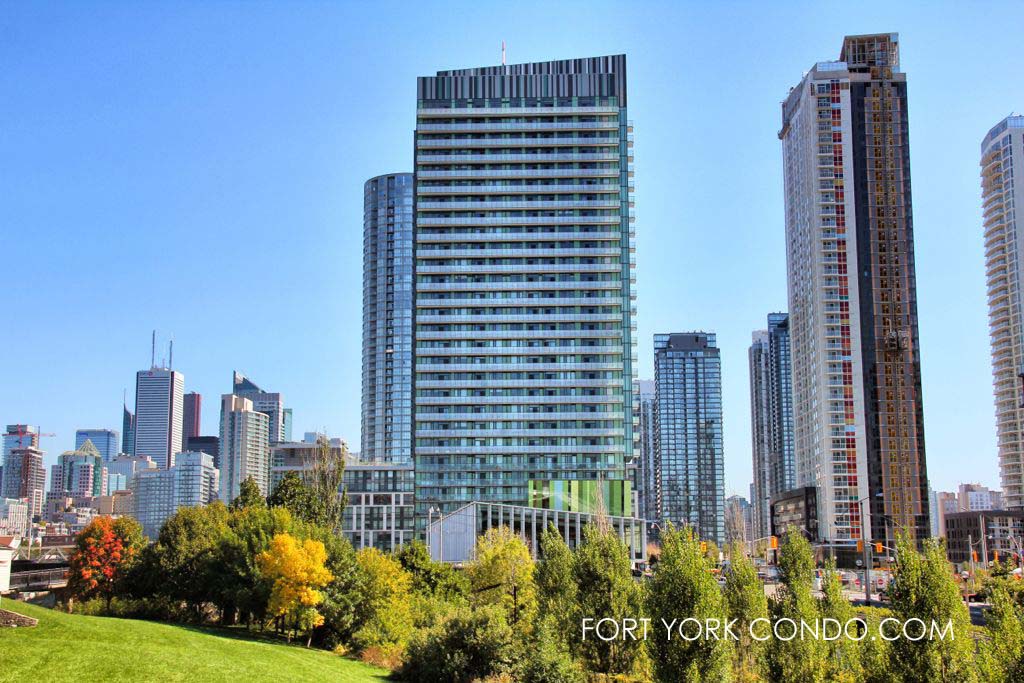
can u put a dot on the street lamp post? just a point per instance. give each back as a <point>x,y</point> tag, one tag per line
<point>440,531</point>
<point>866,545</point>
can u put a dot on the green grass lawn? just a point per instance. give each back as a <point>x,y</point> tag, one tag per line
<point>66,647</point>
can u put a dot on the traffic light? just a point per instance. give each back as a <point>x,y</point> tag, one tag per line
<point>703,546</point>
<point>878,548</point>
<point>997,556</point>
<point>775,543</point>
<point>860,546</point>
<point>974,555</point>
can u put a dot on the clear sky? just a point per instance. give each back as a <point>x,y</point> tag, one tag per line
<point>198,168</point>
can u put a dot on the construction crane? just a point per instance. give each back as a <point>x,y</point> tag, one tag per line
<point>21,431</point>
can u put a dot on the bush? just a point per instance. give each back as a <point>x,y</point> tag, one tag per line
<point>546,658</point>
<point>384,656</point>
<point>467,646</point>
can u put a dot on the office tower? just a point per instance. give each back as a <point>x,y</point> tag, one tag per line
<point>192,416</point>
<point>286,430</point>
<point>858,421</point>
<point>128,432</point>
<point>688,432</point>
<point>244,446</point>
<point>19,436</point>
<point>524,319</point>
<point>25,477</point>
<point>205,444</point>
<point>649,469</point>
<point>159,404</point>
<point>271,404</point>
<point>1002,162</point>
<point>771,418</point>
<point>387,319</point>
<point>106,441</point>
<point>80,472</point>
<point>158,493</point>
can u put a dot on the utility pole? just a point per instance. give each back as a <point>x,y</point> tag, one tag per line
<point>970,553</point>
<point>984,542</point>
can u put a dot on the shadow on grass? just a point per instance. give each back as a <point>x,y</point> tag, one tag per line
<point>272,638</point>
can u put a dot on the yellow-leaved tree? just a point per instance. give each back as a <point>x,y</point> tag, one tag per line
<point>297,570</point>
<point>502,574</point>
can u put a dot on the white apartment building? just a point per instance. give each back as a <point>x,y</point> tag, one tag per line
<point>858,421</point>
<point>973,497</point>
<point>14,517</point>
<point>1002,161</point>
<point>244,446</point>
<point>157,494</point>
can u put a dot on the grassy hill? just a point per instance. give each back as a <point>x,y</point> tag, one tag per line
<point>66,647</point>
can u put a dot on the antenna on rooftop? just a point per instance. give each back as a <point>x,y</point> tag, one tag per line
<point>503,53</point>
<point>152,352</point>
<point>171,354</point>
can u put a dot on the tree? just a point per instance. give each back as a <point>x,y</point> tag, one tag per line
<point>104,553</point>
<point>746,601</point>
<point>470,645</point>
<point>342,594</point>
<point>502,575</point>
<point>248,495</point>
<point>556,584</point>
<point>325,474</point>
<point>297,570</point>
<point>844,655</point>
<point>292,494</point>
<point>1002,653</point>
<point>798,659</point>
<point>383,612</point>
<point>711,552</point>
<point>240,586</point>
<point>185,560</point>
<point>923,588</point>
<point>735,525</point>
<point>606,589</point>
<point>429,577</point>
<point>683,586</point>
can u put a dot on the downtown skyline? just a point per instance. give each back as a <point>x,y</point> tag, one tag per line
<point>663,303</point>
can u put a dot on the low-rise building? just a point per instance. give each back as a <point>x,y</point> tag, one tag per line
<point>116,504</point>
<point>380,510</point>
<point>380,507</point>
<point>981,535</point>
<point>796,508</point>
<point>452,538</point>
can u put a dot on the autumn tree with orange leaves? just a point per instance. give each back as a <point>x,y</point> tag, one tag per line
<point>104,552</point>
<point>297,570</point>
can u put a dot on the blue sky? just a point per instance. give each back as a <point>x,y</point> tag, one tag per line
<point>197,167</point>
